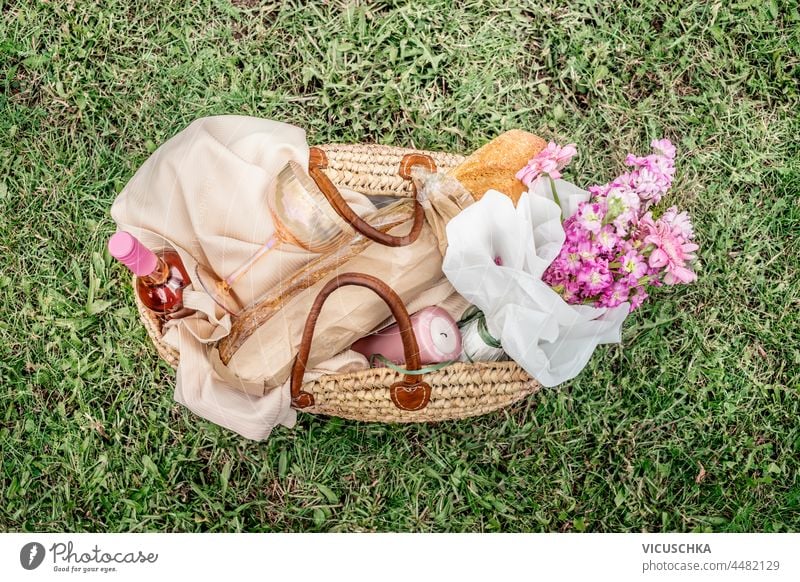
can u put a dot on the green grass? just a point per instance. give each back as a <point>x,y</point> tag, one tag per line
<point>693,424</point>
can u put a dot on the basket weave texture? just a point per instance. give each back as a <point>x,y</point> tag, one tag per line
<point>460,390</point>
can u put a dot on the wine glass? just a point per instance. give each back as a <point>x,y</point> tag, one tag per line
<point>302,216</point>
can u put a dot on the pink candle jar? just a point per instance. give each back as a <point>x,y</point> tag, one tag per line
<point>437,335</point>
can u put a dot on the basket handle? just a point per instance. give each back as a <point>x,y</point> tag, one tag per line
<point>411,393</point>
<point>318,161</point>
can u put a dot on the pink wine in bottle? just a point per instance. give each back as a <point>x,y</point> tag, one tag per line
<point>160,277</point>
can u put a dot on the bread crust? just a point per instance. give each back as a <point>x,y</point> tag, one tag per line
<point>493,166</point>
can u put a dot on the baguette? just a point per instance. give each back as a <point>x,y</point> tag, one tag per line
<point>493,166</point>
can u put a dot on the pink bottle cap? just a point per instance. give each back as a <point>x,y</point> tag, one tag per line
<point>126,248</point>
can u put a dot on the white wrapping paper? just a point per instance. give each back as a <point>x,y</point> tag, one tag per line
<point>496,257</point>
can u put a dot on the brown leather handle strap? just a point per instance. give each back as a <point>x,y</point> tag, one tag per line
<point>319,161</point>
<point>409,394</point>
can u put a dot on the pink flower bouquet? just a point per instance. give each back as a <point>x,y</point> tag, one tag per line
<point>557,274</point>
<point>614,248</point>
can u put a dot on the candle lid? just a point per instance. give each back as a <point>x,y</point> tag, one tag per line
<point>438,336</point>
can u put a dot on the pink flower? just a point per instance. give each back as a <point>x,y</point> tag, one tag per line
<point>679,222</point>
<point>654,162</point>
<point>664,146</point>
<point>607,238</point>
<point>571,263</point>
<point>557,273</point>
<point>598,191</point>
<point>645,225</point>
<point>616,228</point>
<point>571,292</point>
<point>590,216</point>
<point>651,176</point>
<point>637,297</point>
<point>632,264</point>
<point>551,160</point>
<point>663,165</point>
<point>587,250</point>
<point>623,206</point>
<point>595,277</point>
<point>649,185</point>
<point>624,222</point>
<point>624,196</point>
<point>615,294</point>
<point>671,254</point>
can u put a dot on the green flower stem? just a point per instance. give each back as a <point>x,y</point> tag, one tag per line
<point>555,195</point>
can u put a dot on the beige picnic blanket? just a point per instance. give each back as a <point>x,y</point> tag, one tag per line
<point>204,193</point>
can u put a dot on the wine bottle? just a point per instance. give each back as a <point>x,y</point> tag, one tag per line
<point>160,276</point>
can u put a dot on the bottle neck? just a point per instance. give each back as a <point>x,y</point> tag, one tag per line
<point>159,275</point>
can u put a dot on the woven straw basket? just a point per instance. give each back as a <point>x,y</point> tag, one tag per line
<point>459,390</point>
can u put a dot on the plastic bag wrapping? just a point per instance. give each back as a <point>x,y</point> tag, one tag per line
<point>442,197</point>
<point>495,259</point>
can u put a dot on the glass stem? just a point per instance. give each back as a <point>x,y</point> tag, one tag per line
<point>233,277</point>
